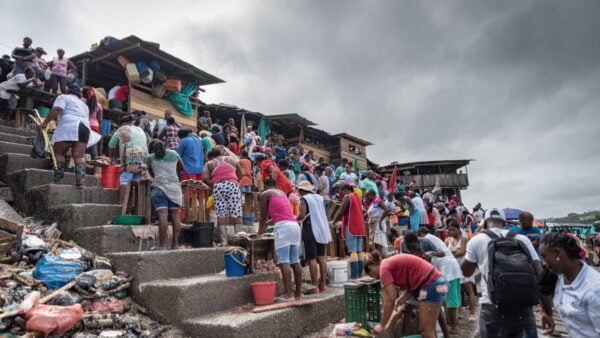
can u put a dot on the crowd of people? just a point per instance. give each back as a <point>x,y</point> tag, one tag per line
<point>419,241</point>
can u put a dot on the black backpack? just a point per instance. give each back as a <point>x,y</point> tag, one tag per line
<point>512,279</point>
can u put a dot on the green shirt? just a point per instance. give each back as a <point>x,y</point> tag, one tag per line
<point>338,171</point>
<point>367,185</point>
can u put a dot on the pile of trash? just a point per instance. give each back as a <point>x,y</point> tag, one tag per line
<point>54,287</point>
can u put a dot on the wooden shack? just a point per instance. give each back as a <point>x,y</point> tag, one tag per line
<point>100,68</point>
<point>352,148</point>
<point>447,174</point>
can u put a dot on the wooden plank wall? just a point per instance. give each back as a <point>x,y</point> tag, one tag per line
<point>318,151</point>
<point>155,108</point>
<point>345,153</point>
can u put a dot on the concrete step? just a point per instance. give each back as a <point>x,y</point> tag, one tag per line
<point>22,180</point>
<point>38,200</point>
<point>289,322</point>
<point>15,138</point>
<point>148,266</point>
<point>176,300</point>
<point>106,239</point>
<point>71,217</point>
<point>14,131</point>
<point>11,162</point>
<point>11,147</point>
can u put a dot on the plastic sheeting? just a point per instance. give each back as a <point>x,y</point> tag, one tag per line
<point>181,99</point>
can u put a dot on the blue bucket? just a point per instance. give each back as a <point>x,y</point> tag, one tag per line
<point>235,265</point>
<point>248,219</point>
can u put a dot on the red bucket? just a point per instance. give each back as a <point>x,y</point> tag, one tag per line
<point>111,177</point>
<point>264,292</point>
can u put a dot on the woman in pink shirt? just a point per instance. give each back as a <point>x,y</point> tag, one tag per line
<point>275,205</point>
<point>60,66</point>
<point>417,278</point>
<point>223,174</point>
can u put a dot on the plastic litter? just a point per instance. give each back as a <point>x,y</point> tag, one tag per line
<point>70,254</point>
<point>111,334</point>
<point>51,319</point>
<point>56,272</point>
<point>31,241</point>
<point>85,281</point>
<point>30,300</point>
<point>66,298</point>
<point>109,306</point>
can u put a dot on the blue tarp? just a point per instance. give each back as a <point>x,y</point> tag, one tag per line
<point>181,100</point>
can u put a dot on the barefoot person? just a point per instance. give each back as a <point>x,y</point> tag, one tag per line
<point>275,205</point>
<point>415,276</point>
<point>315,233</point>
<point>163,164</point>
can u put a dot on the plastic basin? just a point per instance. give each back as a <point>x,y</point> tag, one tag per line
<point>128,219</point>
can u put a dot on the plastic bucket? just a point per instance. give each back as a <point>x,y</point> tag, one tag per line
<point>235,265</point>
<point>264,292</point>
<point>337,272</point>
<point>111,177</point>
<point>248,219</point>
<point>201,235</point>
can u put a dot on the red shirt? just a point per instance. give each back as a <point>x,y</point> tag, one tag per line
<point>122,92</point>
<point>408,272</point>
<point>234,147</point>
<point>431,218</point>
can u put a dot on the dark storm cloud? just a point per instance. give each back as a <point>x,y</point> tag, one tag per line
<point>513,84</point>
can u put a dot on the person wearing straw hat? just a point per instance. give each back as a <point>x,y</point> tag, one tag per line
<point>315,233</point>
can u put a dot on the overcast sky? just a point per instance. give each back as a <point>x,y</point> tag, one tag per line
<point>514,85</point>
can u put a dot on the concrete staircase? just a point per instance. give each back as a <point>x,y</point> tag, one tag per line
<point>186,288</point>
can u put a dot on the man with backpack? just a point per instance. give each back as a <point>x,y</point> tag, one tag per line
<point>510,267</point>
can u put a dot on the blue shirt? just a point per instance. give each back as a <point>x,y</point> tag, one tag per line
<point>191,152</point>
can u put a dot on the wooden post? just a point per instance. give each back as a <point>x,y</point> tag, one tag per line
<point>84,72</point>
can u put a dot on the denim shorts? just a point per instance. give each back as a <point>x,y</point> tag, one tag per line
<point>246,188</point>
<point>288,255</point>
<point>353,243</point>
<point>161,201</point>
<point>435,292</point>
<point>127,177</point>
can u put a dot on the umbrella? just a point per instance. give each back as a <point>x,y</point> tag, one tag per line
<point>264,129</point>
<point>393,179</point>
<point>512,213</point>
<point>242,129</point>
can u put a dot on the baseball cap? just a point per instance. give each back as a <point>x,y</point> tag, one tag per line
<point>495,213</point>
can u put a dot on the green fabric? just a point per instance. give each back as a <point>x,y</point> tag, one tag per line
<point>207,144</point>
<point>338,171</point>
<point>181,100</point>
<point>453,299</point>
<point>264,129</point>
<point>170,156</point>
<point>367,185</point>
<point>356,170</point>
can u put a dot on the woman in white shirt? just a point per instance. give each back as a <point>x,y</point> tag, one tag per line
<point>576,295</point>
<point>73,132</point>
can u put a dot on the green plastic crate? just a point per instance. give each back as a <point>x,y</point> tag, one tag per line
<point>362,303</point>
<point>355,305</point>
<point>374,302</point>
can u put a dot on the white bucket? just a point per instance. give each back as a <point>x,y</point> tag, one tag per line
<point>337,272</point>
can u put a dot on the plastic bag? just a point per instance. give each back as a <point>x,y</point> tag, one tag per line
<point>56,272</point>
<point>181,99</point>
<point>109,306</point>
<point>51,319</point>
